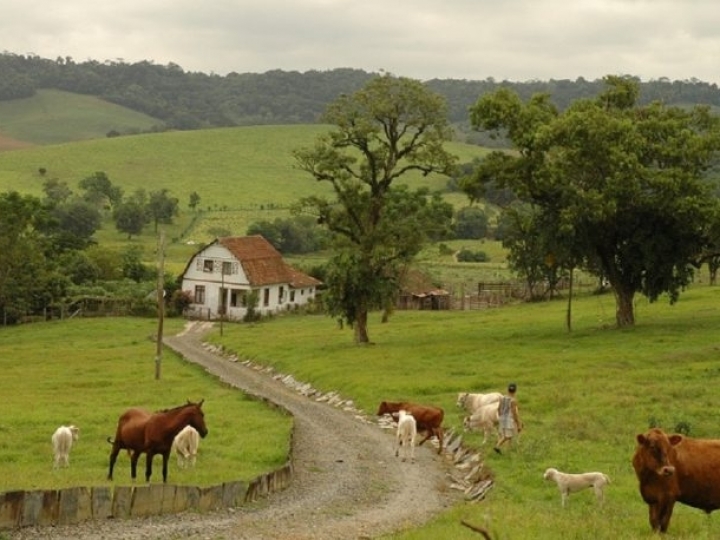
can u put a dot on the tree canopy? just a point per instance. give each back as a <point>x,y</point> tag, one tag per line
<point>622,185</point>
<point>384,132</point>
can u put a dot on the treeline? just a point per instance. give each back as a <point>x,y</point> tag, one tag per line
<point>194,100</point>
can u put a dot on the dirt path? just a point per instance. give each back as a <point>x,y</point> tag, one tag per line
<point>347,483</point>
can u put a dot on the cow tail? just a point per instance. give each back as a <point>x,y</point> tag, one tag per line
<point>109,439</point>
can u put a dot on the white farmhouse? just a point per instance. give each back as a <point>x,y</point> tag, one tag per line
<point>221,275</point>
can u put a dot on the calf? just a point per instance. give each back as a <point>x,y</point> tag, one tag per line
<point>186,445</point>
<point>485,418</point>
<point>568,483</point>
<point>406,433</point>
<point>472,402</point>
<point>62,441</point>
<point>428,419</point>
<point>675,468</point>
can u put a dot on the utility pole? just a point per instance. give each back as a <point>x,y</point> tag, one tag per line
<point>160,304</point>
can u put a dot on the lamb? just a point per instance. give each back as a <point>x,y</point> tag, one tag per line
<point>406,434</point>
<point>186,445</point>
<point>472,402</point>
<point>485,418</point>
<point>62,441</point>
<point>569,483</point>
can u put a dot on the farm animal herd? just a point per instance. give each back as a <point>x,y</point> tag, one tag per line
<point>143,432</point>
<point>669,468</point>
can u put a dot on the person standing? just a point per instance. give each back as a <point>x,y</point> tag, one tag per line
<point>509,419</point>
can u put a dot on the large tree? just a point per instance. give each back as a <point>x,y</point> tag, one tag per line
<point>392,128</point>
<point>624,185</point>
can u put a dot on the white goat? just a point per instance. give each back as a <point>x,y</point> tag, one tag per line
<point>406,434</point>
<point>62,441</point>
<point>186,445</point>
<point>472,402</point>
<point>568,483</point>
<point>485,418</point>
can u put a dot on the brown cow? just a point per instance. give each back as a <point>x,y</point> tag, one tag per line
<point>429,419</point>
<point>674,468</point>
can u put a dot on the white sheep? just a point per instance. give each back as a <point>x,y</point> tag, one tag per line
<point>485,418</point>
<point>406,434</point>
<point>62,441</point>
<point>186,445</point>
<point>568,483</point>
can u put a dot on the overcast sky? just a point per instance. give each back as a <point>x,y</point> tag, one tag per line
<point>518,40</point>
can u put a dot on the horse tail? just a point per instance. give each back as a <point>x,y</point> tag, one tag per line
<point>109,439</point>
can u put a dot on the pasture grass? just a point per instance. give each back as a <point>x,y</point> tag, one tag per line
<point>55,116</point>
<point>584,396</point>
<point>87,372</point>
<point>243,175</point>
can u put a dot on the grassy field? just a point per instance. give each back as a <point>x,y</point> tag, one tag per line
<point>54,116</point>
<point>242,175</point>
<point>584,396</point>
<point>87,372</point>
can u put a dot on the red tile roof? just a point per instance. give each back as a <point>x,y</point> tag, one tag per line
<point>263,264</point>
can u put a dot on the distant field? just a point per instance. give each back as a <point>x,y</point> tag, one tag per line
<point>241,174</point>
<point>53,116</point>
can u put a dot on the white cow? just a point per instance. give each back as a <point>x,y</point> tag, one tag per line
<point>186,445</point>
<point>472,402</point>
<point>62,441</point>
<point>406,434</point>
<point>486,418</point>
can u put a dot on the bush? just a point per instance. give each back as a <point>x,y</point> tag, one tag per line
<point>466,255</point>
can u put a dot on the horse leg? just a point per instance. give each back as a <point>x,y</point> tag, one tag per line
<point>113,457</point>
<point>166,458</point>
<point>148,466</point>
<point>133,463</point>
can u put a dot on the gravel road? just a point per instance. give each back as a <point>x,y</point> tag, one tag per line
<point>348,484</point>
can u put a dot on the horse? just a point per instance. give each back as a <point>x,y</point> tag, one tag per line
<point>140,431</point>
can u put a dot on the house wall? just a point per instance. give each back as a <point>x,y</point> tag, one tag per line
<point>205,269</point>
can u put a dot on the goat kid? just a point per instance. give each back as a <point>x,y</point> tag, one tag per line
<point>406,434</point>
<point>62,441</point>
<point>186,445</point>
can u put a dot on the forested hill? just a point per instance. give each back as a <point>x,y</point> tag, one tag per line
<point>192,100</point>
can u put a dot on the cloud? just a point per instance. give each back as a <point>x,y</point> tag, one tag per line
<point>470,39</point>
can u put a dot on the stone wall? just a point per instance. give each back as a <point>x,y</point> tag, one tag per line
<point>78,504</point>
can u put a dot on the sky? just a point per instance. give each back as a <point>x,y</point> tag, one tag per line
<point>515,40</point>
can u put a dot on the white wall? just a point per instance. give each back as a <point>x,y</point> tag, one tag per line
<point>234,280</point>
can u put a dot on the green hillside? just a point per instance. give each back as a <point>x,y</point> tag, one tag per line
<point>242,174</point>
<point>53,116</point>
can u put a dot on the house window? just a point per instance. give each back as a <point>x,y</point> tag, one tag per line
<point>208,265</point>
<point>281,295</point>
<point>292,295</point>
<point>199,294</point>
<point>266,297</point>
<point>227,268</point>
<point>237,298</point>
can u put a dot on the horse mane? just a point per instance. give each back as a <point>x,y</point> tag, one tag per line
<point>178,407</point>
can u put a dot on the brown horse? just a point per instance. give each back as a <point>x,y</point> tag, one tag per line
<point>140,431</point>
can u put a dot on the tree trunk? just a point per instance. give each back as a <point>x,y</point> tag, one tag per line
<point>624,312</point>
<point>360,326</point>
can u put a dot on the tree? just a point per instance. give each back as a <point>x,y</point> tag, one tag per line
<point>27,276</point>
<point>392,128</point>
<point>194,200</point>
<point>623,184</point>
<point>471,222</point>
<point>100,191</point>
<point>162,207</point>
<point>130,217</point>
